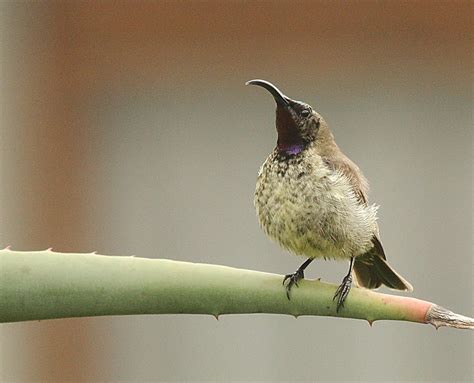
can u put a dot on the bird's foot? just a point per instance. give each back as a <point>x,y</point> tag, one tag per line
<point>342,292</point>
<point>293,280</point>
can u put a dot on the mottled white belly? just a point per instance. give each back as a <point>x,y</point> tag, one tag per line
<point>313,211</point>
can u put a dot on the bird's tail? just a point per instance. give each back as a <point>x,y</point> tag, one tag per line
<point>372,270</point>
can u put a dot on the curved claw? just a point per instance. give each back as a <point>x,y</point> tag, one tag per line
<point>291,277</point>
<point>293,281</point>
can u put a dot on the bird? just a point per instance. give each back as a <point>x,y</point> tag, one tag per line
<point>312,200</point>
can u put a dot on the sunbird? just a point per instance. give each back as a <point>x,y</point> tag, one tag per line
<point>312,200</point>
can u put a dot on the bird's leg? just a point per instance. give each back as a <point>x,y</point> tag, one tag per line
<point>294,278</point>
<point>343,290</point>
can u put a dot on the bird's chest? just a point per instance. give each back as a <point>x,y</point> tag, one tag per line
<point>294,200</point>
<point>287,191</point>
<point>312,210</point>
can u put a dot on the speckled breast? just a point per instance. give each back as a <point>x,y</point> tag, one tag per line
<point>310,210</point>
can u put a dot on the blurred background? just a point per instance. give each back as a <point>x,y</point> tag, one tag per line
<point>126,128</point>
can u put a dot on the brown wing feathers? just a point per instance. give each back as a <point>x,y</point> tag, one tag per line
<point>371,269</point>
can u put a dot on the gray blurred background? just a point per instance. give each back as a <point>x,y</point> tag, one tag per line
<point>126,128</point>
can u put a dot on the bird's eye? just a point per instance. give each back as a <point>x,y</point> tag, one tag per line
<point>305,112</point>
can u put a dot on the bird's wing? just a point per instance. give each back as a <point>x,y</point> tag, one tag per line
<point>360,187</point>
<point>371,268</point>
<point>359,183</point>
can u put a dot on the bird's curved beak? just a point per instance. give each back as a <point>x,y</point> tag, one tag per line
<point>279,97</point>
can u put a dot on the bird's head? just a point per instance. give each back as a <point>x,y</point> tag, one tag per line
<point>297,123</point>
